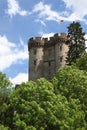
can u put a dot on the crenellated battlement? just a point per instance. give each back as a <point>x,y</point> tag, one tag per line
<point>35,42</point>
<point>45,42</point>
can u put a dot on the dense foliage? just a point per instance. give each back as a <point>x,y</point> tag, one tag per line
<point>4,95</point>
<point>72,83</point>
<point>81,63</point>
<point>43,105</point>
<point>76,42</point>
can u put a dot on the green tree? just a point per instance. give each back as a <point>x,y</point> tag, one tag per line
<point>36,106</point>
<point>72,83</point>
<point>76,42</point>
<point>4,95</point>
<point>3,128</point>
<point>81,63</point>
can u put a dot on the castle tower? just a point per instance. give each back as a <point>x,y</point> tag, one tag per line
<point>35,47</point>
<point>61,50</point>
<point>46,56</point>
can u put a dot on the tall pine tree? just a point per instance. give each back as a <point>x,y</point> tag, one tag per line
<point>76,42</point>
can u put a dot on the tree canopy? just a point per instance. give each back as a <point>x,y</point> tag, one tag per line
<point>45,105</point>
<point>81,63</point>
<point>72,83</point>
<point>76,42</point>
<point>4,95</point>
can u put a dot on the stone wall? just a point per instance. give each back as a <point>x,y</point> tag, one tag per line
<point>35,63</point>
<point>49,61</point>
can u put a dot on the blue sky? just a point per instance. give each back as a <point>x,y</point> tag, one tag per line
<point>23,19</point>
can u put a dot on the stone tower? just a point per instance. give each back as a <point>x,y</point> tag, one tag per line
<point>46,56</point>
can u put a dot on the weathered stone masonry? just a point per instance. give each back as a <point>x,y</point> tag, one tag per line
<point>46,56</point>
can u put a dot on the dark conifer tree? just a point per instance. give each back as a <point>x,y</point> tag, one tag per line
<point>76,42</point>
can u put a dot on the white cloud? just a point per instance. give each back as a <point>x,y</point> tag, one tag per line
<point>21,77</point>
<point>41,21</point>
<point>79,10</point>
<point>72,12</point>
<point>46,35</point>
<point>5,45</point>
<point>14,8</point>
<point>11,53</point>
<point>45,12</point>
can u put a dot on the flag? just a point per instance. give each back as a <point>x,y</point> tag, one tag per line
<point>61,21</point>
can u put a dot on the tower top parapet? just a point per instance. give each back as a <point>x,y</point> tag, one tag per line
<point>44,42</point>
